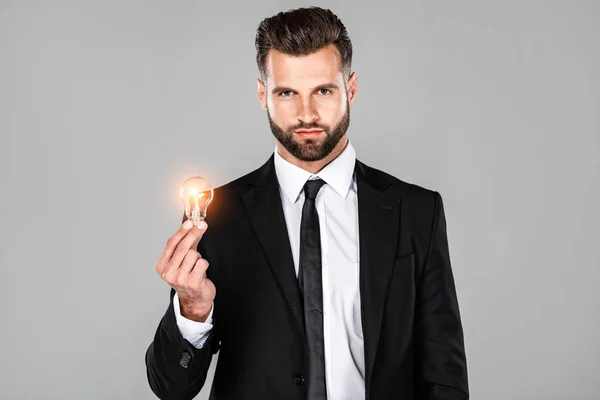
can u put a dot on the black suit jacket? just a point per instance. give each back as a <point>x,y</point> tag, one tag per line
<point>412,331</point>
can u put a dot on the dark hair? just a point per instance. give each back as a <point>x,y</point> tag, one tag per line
<point>301,32</point>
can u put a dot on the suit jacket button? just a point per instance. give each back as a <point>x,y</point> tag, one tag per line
<point>185,359</point>
<point>299,379</point>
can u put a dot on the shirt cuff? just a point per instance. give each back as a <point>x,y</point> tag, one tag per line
<point>194,332</point>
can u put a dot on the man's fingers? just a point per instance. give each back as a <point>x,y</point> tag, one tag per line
<point>199,269</point>
<point>170,275</point>
<point>178,246</point>
<point>190,241</point>
<point>188,262</point>
<point>171,246</point>
<point>201,228</point>
<point>191,272</point>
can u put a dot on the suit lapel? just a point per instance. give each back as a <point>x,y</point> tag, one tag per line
<point>378,221</point>
<point>263,205</point>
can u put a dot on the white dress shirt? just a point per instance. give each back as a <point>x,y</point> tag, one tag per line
<point>337,207</point>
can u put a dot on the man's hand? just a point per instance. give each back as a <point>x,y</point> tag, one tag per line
<point>182,267</point>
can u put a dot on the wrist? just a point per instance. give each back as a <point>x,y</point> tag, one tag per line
<point>193,311</point>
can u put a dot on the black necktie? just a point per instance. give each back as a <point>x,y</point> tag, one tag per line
<point>311,289</point>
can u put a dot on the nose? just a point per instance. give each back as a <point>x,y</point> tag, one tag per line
<point>307,111</point>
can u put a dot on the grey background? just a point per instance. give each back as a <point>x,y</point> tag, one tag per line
<point>105,107</point>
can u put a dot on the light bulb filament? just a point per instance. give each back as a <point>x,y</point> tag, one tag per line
<point>196,194</point>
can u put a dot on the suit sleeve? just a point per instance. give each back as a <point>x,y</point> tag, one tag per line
<point>174,367</point>
<point>441,366</point>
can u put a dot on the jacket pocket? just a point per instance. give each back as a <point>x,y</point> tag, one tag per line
<point>404,264</point>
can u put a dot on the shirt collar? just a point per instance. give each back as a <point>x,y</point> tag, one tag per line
<point>338,174</point>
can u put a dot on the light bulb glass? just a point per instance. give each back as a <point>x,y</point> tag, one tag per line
<point>196,194</point>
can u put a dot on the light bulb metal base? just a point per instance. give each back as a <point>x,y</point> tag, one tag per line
<point>197,220</point>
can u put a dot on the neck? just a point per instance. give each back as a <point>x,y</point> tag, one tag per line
<point>313,166</point>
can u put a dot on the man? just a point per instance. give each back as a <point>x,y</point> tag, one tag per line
<point>328,279</point>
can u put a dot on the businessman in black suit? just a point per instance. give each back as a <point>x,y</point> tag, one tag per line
<point>328,279</point>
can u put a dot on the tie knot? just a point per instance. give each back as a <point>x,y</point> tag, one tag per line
<point>311,188</point>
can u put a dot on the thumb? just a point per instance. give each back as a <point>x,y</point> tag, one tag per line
<point>201,226</point>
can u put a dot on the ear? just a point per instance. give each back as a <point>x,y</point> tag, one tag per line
<point>262,94</point>
<point>352,87</point>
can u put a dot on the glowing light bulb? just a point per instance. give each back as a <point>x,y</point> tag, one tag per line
<point>196,194</point>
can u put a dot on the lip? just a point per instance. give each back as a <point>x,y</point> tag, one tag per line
<point>309,133</point>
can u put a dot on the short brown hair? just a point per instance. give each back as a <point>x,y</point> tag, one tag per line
<point>301,32</point>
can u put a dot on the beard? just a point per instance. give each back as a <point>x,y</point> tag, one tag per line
<point>311,149</point>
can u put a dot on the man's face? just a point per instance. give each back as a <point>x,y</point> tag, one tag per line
<point>308,101</point>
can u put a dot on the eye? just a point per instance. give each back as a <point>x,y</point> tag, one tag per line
<point>324,92</point>
<point>285,93</point>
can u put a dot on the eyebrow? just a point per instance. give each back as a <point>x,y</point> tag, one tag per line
<point>278,89</point>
